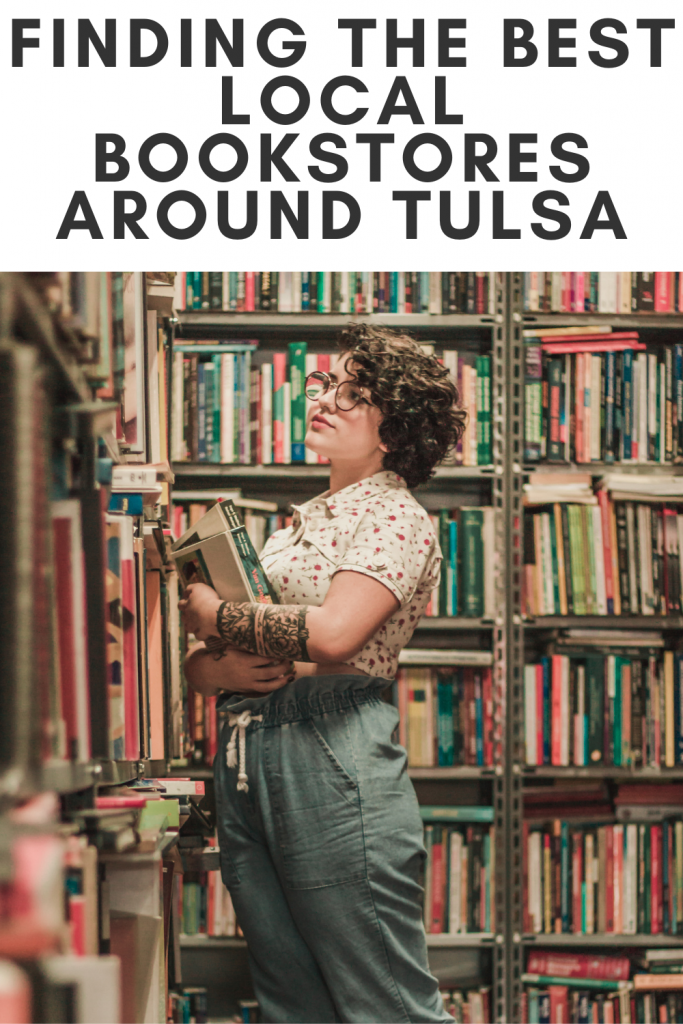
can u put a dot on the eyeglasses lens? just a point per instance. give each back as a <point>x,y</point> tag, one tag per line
<point>315,386</point>
<point>348,396</point>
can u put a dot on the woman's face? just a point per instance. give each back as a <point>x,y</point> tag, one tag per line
<point>339,435</point>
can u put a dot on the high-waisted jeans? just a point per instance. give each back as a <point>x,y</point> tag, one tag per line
<point>322,856</point>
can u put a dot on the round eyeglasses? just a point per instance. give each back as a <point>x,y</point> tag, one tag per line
<point>347,394</point>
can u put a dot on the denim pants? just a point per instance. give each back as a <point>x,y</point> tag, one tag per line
<point>322,856</point>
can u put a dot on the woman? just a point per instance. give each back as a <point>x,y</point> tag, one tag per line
<point>319,827</point>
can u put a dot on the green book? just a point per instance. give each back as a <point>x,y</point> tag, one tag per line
<point>297,377</point>
<point>156,812</point>
<point>471,530</point>
<point>597,983</point>
<point>617,759</point>
<point>459,813</point>
<point>483,367</point>
<point>216,413</point>
<point>554,563</point>
<point>444,544</point>
<point>578,590</point>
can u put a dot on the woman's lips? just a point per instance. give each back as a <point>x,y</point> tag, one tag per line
<point>320,421</point>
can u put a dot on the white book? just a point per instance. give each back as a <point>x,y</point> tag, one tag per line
<point>284,292</point>
<point>599,550</point>
<point>267,414</point>
<point>228,408</point>
<point>625,291</point>
<point>547,563</point>
<point>225,291</point>
<point>455,921</point>
<point>296,291</point>
<point>152,342</point>
<point>402,291</point>
<point>96,981</point>
<point>287,400</point>
<point>179,453</point>
<point>534,874</point>
<point>491,275</point>
<point>179,290</point>
<point>652,383</point>
<point>556,292</point>
<point>489,542</point>
<point>434,292</point>
<point>311,457</point>
<point>607,291</point>
<point>345,296</point>
<point>630,880</point>
<point>422,656</point>
<point>327,292</point>
<point>530,714</point>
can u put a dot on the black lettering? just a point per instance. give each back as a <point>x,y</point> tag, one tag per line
<point>283,82</point>
<point>162,139</point>
<point>448,43</point>
<point>556,43</point>
<point>87,36</point>
<point>517,157</point>
<point>542,210</point>
<point>227,113</point>
<point>427,139</point>
<point>375,141</point>
<point>655,26</point>
<point>296,49</point>
<point>400,88</point>
<point>353,209</point>
<point>473,216</point>
<point>234,50</point>
<point>440,115</point>
<point>297,221</point>
<point>326,100</point>
<point>603,201</point>
<point>137,27</point>
<point>186,42</point>
<point>21,43</point>
<point>274,156</point>
<point>357,25</point>
<point>113,156</point>
<point>479,161</point>
<point>181,196</point>
<point>411,199</point>
<point>416,42</point>
<point>58,42</point>
<point>318,153</point>
<point>600,39</point>
<point>79,204</point>
<point>223,139</point>
<point>513,42</point>
<point>499,229</point>
<point>560,153</point>
<point>250,223</point>
<point>123,219</point>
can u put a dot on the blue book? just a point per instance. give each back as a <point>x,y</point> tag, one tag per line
<point>444,703</point>
<point>424,291</point>
<point>305,291</point>
<point>479,720</point>
<point>452,568</point>
<point>678,399</point>
<point>196,289</point>
<point>393,292</point>
<point>201,411</point>
<point>547,710</point>
<point>544,1007</point>
<point>130,504</point>
<point>584,1015</point>
<point>609,406</point>
<point>564,875</point>
<point>627,402</point>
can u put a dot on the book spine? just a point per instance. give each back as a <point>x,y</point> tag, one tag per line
<point>297,376</point>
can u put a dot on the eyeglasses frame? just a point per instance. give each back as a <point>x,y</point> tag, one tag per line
<point>317,374</point>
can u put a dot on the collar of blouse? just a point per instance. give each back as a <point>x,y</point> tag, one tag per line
<point>348,498</point>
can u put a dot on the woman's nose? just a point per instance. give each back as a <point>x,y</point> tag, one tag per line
<point>326,401</point>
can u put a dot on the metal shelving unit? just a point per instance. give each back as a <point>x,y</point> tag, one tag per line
<point>329,322</point>
<point>602,940</point>
<point>655,622</point>
<point>302,472</point>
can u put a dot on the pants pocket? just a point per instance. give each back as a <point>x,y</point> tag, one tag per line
<point>316,803</point>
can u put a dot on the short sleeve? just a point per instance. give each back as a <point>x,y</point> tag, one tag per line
<point>396,546</point>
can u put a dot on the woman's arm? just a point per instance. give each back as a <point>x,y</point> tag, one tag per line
<point>354,609</point>
<point>237,671</point>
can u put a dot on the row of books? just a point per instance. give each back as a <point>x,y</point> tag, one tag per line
<point>446,715</point>
<point>603,292</point>
<point>608,558</point>
<point>602,398</point>
<point>621,879</point>
<point>605,705</point>
<point>189,1005</point>
<point>468,1007</point>
<point>205,906</point>
<point>346,292</point>
<point>568,987</point>
<point>467,541</point>
<point>230,405</point>
<point>459,873</point>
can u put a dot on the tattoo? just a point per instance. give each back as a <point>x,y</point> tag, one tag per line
<point>278,631</point>
<point>216,647</point>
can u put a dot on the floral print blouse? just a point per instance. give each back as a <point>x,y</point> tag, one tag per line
<point>374,527</point>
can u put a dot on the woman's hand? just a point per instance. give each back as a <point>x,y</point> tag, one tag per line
<point>237,671</point>
<point>199,608</point>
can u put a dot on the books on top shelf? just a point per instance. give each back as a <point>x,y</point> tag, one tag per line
<point>605,705</point>
<point>234,404</point>
<point>615,557</point>
<point>602,398</point>
<point>459,873</point>
<point>446,716</point>
<point>603,292</point>
<point>344,292</point>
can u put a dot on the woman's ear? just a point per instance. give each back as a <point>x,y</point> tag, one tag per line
<point>383,447</point>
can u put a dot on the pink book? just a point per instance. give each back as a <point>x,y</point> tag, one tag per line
<point>566,299</point>
<point>579,291</point>
<point>131,699</point>
<point>249,295</point>
<point>324,365</point>
<point>663,292</point>
<point>279,380</point>
<point>556,720</point>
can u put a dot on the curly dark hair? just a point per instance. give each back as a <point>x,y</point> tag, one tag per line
<point>419,402</point>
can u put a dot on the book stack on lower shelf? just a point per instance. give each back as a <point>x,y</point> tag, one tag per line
<point>565,986</point>
<point>472,1006</point>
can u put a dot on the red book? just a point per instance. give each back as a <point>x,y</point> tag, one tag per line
<point>656,878</point>
<point>77,924</point>
<point>559,1004</point>
<point>679,296</point>
<point>488,715</point>
<point>603,502</point>
<point>134,800</point>
<point>663,292</point>
<point>569,347</point>
<point>556,720</point>
<point>438,877</point>
<point>566,299</point>
<point>579,965</point>
<point>577,878</point>
<point>210,729</point>
<point>324,365</point>
<point>540,754</point>
<point>249,293</point>
<point>565,339</point>
<point>579,292</point>
<point>279,380</point>
<point>609,880</point>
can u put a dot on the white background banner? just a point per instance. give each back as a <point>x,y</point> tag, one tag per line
<point>599,143</point>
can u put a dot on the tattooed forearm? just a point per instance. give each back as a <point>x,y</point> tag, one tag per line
<point>275,630</point>
<point>216,647</point>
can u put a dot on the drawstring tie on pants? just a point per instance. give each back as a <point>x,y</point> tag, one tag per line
<point>239,724</point>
